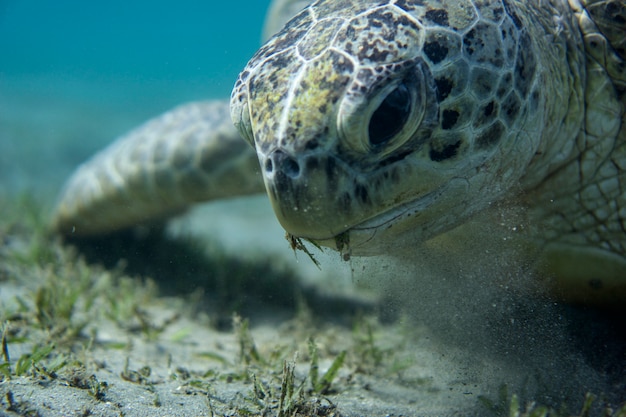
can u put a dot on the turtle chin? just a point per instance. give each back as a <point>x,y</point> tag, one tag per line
<point>403,226</point>
<point>382,234</point>
<point>323,199</point>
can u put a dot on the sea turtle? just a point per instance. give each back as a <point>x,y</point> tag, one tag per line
<point>375,125</point>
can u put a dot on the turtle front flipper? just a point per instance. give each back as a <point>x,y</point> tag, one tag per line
<point>187,155</point>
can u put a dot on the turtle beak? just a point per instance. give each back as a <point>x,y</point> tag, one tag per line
<point>304,192</point>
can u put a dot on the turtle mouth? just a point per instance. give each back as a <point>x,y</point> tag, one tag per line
<point>377,234</point>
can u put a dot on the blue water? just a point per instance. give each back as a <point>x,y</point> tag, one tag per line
<point>75,74</point>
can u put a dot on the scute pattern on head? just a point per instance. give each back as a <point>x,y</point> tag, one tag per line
<point>458,16</point>
<point>381,36</point>
<point>318,89</point>
<point>312,46</point>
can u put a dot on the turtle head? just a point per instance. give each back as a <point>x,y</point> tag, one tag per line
<point>379,122</point>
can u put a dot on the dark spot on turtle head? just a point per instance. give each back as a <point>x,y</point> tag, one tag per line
<point>504,86</point>
<point>482,43</point>
<point>311,145</point>
<point>374,55</point>
<point>291,133</point>
<point>391,175</point>
<point>278,61</point>
<point>490,136</point>
<point>447,152</point>
<point>534,99</point>
<point>361,193</point>
<point>511,107</point>
<point>497,13</point>
<point>444,87</point>
<point>438,16</point>
<point>486,114</point>
<point>343,66</point>
<point>524,65</point>
<point>331,173</point>
<point>409,5</point>
<point>435,51</point>
<point>488,109</point>
<point>384,18</point>
<point>449,119</point>
<point>514,17</point>
<point>395,157</point>
<point>469,42</point>
<point>282,184</point>
<point>401,45</point>
<point>351,33</point>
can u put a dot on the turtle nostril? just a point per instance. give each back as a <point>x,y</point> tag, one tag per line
<point>279,161</point>
<point>290,167</point>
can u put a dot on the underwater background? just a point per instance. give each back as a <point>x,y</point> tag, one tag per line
<point>74,75</point>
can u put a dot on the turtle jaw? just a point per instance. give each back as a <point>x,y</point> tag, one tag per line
<point>359,220</point>
<point>391,230</point>
<point>387,231</point>
<point>319,197</point>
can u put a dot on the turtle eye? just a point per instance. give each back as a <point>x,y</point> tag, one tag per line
<point>390,116</point>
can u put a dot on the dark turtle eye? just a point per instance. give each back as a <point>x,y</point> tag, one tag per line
<point>390,117</point>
